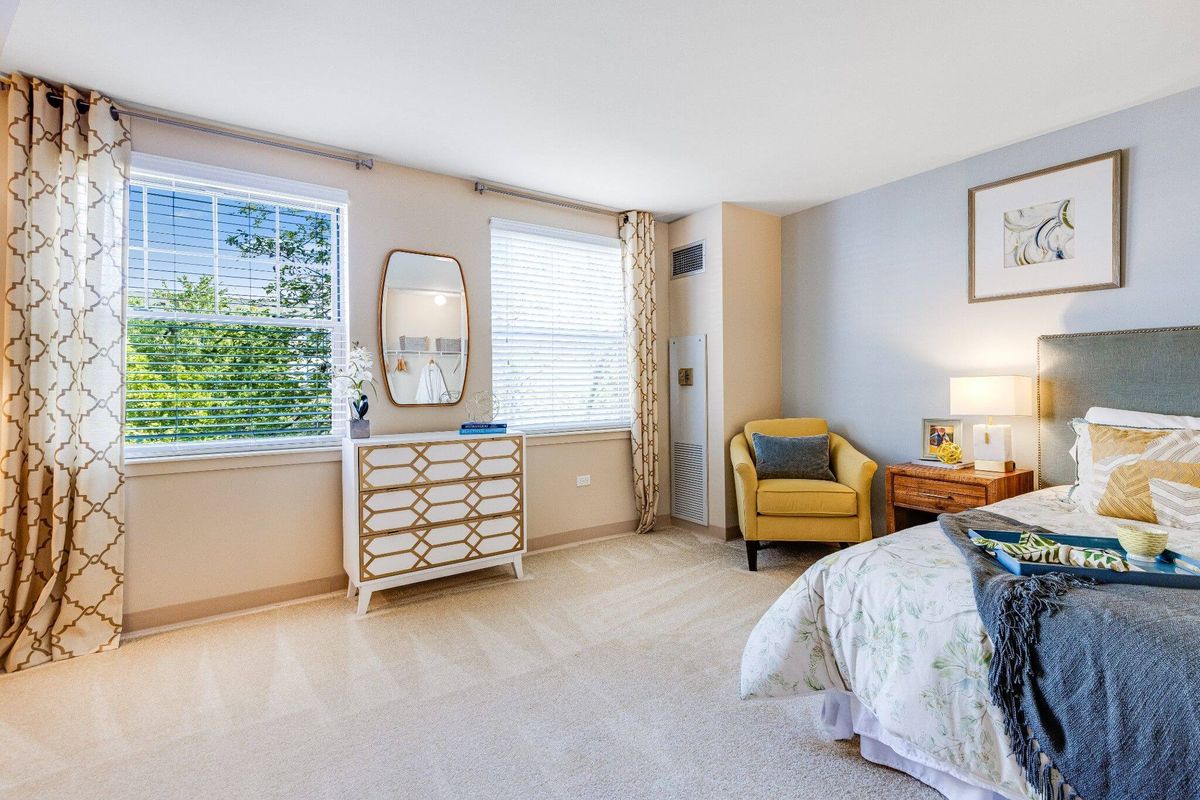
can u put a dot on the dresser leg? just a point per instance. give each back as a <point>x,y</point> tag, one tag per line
<point>364,600</point>
<point>350,590</point>
<point>517,568</point>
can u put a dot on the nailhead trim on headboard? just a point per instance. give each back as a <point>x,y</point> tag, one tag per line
<point>1172,329</point>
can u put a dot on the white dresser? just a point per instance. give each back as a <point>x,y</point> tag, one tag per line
<point>417,506</point>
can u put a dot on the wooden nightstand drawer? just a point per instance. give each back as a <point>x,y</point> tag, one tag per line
<point>935,494</point>
<point>917,493</point>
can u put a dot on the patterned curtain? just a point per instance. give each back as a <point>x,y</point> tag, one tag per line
<point>61,545</point>
<point>637,259</point>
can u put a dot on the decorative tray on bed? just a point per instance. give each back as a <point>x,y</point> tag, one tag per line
<point>1170,569</point>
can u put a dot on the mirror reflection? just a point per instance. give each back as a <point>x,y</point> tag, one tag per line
<point>423,328</point>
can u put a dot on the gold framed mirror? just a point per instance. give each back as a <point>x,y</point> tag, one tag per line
<point>424,328</point>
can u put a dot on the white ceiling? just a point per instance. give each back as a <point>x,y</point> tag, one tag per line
<point>660,104</point>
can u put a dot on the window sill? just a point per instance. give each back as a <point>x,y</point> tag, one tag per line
<point>207,462</point>
<point>575,437</point>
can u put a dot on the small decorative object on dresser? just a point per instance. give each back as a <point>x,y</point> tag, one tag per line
<point>426,505</point>
<point>477,428</point>
<point>917,493</point>
<point>357,374</point>
<point>483,406</point>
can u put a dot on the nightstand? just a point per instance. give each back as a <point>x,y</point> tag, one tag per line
<point>917,494</point>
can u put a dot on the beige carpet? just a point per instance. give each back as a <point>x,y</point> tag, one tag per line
<point>609,672</point>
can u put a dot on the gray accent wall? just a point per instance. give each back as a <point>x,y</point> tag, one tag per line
<point>875,312</point>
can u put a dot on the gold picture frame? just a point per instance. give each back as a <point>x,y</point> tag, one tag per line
<point>1049,231</point>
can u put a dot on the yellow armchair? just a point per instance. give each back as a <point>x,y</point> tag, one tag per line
<point>792,509</point>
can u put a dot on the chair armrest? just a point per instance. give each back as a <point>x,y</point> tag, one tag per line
<point>855,470</point>
<point>851,467</point>
<point>745,485</point>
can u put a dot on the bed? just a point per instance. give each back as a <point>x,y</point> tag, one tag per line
<point>888,629</point>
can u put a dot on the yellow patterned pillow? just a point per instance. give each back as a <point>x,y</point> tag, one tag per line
<point>1149,475</point>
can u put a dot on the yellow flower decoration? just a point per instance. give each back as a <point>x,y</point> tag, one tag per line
<point>949,453</point>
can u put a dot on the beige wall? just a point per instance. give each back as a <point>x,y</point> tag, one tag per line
<point>753,385</point>
<point>203,541</point>
<point>736,303</point>
<point>697,309</point>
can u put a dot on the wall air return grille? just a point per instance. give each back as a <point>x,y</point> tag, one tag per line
<point>687,260</point>
<point>688,487</point>
<point>687,363</point>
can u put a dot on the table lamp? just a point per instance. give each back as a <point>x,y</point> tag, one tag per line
<point>992,396</point>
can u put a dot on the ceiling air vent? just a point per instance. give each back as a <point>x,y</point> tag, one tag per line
<point>687,260</point>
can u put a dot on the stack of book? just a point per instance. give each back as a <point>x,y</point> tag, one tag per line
<point>474,428</point>
<point>928,462</point>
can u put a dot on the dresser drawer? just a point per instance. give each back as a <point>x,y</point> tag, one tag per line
<point>385,510</point>
<point>421,463</point>
<point>417,549</point>
<point>932,494</point>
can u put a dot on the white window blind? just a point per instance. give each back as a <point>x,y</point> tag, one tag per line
<point>559,359</point>
<point>234,312</point>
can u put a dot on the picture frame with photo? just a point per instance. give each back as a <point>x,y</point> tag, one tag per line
<point>936,431</point>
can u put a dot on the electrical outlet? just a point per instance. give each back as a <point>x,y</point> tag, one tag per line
<point>583,480</point>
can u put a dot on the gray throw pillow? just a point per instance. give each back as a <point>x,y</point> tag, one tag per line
<point>804,457</point>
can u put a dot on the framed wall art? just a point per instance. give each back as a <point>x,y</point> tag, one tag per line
<point>1054,230</point>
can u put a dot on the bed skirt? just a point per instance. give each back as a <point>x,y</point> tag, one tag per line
<point>843,715</point>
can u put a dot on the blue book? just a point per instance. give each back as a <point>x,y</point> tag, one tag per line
<point>466,431</point>
<point>470,425</point>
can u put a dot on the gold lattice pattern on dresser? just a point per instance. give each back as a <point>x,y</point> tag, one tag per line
<point>429,462</point>
<point>434,504</point>
<point>439,546</point>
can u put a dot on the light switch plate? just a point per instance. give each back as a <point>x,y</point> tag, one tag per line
<point>583,480</point>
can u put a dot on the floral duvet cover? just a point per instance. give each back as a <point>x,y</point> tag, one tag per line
<point>893,620</point>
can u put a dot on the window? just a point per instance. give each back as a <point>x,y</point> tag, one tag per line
<point>559,360</point>
<point>234,310</point>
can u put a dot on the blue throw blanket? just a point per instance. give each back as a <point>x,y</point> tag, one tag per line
<point>1098,683</point>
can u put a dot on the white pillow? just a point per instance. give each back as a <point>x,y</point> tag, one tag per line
<point>1119,418</point>
<point>1081,452</point>
<point>1177,505</point>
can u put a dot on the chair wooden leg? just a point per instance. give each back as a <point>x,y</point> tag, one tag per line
<point>752,554</point>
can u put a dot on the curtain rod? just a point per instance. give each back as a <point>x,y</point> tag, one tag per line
<point>359,162</point>
<point>562,202</point>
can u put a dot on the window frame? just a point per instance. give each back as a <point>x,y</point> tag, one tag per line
<point>566,235</point>
<point>206,178</point>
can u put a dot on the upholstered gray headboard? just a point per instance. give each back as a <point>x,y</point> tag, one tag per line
<point>1154,369</point>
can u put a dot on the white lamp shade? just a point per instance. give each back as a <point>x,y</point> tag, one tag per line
<point>994,395</point>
